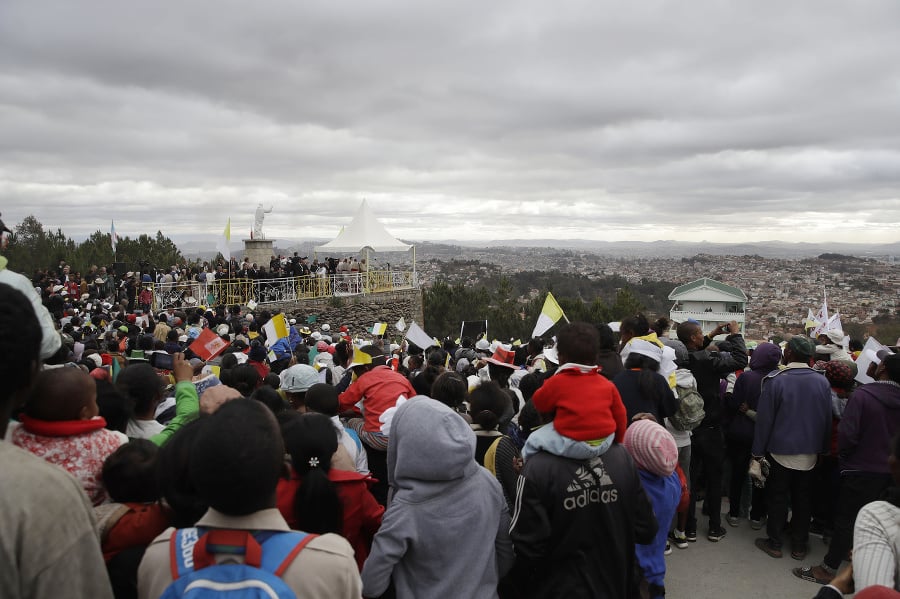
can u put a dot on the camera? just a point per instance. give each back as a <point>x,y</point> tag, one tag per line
<point>727,328</point>
<point>162,361</point>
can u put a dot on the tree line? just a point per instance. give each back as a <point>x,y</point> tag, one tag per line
<point>33,247</point>
<point>509,315</point>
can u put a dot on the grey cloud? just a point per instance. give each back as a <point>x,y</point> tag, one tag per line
<point>455,119</point>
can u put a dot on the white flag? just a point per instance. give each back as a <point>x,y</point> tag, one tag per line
<point>418,336</point>
<point>400,325</point>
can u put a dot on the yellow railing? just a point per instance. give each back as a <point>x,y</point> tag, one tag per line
<point>270,291</point>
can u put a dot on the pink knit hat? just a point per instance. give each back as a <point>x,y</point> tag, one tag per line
<point>652,447</point>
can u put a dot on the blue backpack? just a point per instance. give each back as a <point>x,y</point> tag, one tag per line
<point>266,556</point>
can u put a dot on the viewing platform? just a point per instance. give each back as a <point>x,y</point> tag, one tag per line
<point>276,291</point>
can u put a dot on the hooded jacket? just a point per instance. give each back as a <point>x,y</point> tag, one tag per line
<point>747,388</point>
<point>871,418</point>
<point>445,532</point>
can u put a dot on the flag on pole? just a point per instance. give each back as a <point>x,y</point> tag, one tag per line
<point>113,237</point>
<point>810,320</point>
<point>275,329</point>
<point>832,323</point>
<point>400,325</point>
<point>379,328</point>
<point>222,245</point>
<point>208,345</point>
<point>550,315</point>
<point>416,335</point>
<point>822,315</point>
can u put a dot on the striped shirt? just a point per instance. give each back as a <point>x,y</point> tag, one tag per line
<point>876,546</point>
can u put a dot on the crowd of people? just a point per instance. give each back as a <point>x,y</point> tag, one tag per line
<point>64,288</point>
<point>149,453</point>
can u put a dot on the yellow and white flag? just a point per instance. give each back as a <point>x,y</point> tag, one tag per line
<point>550,315</point>
<point>275,329</point>
<point>811,321</point>
<point>378,328</point>
<point>224,240</point>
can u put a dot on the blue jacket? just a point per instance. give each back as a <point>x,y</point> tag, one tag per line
<point>794,413</point>
<point>664,493</point>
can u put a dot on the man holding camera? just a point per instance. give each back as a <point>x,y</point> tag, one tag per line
<point>707,442</point>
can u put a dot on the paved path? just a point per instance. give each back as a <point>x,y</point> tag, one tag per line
<point>734,567</point>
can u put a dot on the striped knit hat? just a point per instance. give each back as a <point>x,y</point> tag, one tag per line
<point>652,447</point>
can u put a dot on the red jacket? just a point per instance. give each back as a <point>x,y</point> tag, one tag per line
<point>587,405</point>
<point>379,389</point>
<point>362,514</point>
<point>137,527</point>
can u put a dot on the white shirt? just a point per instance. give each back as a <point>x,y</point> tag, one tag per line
<point>143,429</point>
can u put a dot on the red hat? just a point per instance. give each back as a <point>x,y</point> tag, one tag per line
<point>131,318</point>
<point>503,357</point>
<point>344,328</point>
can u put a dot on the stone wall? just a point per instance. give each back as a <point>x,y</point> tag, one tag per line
<point>259,251</point>
<point>360,312</point>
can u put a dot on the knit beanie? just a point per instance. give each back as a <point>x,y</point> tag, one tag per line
<point>652,447</point>
<point>840,373</point>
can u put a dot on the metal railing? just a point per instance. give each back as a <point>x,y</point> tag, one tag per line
<point>270,291</point>
<point>718,315</point>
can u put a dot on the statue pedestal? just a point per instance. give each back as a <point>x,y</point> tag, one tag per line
<point>259,251</point>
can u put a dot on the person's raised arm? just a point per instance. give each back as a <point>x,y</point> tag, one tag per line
<point>187,402</point>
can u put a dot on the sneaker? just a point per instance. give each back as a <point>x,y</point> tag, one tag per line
<point>732,520</point>
<point>668,549</point>
<point>678,538</point>
<point>690,536</point>
<point>757,524</point>
<point>716,534</point>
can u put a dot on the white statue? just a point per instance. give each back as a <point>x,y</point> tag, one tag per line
<point>258,221</point>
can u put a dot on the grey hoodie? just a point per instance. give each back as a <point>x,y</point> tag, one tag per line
<point>445,532</point>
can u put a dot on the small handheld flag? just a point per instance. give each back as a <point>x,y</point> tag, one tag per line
<point>550,315</point>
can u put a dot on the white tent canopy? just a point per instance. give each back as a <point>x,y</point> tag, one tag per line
<point>364,233</point>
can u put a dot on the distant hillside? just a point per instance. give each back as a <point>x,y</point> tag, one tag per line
<point>205,247</point>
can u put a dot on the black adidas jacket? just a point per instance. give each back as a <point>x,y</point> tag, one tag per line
<point>575,526</point>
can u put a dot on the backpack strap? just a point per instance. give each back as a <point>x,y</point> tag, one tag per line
<point>192,549</point>
<point>181,551</point>
<point>490,457</point>
<point>280,550</point>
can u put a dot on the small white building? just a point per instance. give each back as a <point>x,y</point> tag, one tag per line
<point>709,302</point>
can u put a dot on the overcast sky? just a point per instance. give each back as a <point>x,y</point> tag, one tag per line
<point>716,120</point>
